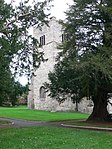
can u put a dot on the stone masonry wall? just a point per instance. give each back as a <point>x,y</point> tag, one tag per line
<point>53,35</point>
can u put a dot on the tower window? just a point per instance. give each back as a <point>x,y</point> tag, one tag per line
<point>42,92</point>
<point>62,38</point>
<point>42,40</point>
<point>65,37</point>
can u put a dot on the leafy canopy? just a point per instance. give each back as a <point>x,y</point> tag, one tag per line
<point>84,63</point>
<point>18,49</point>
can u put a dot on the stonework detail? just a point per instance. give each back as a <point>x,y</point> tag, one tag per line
<point>50,37</point>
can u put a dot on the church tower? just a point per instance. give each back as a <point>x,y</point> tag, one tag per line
<point>49,37</point>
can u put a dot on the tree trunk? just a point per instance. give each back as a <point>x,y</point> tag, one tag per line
<point>100,112</point>
<point>0,102</point>
<point>76,108</point>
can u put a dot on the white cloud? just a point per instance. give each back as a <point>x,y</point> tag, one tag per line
<point>58,10</point>
<point>60,6</point>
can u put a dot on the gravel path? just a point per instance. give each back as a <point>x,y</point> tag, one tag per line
<point>24,123</point>
<point>27,123</point>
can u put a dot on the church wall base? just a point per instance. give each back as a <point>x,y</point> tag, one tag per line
<point>53,105</point>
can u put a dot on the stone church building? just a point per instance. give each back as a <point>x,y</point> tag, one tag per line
<point>49,38</point>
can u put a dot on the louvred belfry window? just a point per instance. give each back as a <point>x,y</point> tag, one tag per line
<point>42,40</point>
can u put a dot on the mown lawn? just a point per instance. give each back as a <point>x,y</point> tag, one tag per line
<point>27,114</point>
<point>53,138</point>
<point>49,137</point>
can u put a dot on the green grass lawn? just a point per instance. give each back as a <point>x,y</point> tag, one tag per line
<point>49,137</point>
<point>27,114</point>
<point>53,138</point>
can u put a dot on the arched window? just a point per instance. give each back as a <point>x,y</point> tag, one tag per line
<point>42,92</point>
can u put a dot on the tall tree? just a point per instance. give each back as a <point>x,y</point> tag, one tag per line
<point>84,66</point>
<point>19,49</point>
<point>15,41</point>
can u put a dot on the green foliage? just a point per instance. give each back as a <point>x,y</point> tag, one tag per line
<point>15,92</point>
<point>84,64</point>
<point>10,90</point>
<point>18,49</point>
<point>5,83</point>
<point>15,41</point>
<point>63,82</point>
<point>53,138</point>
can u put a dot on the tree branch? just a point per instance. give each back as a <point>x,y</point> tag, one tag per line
<point>16,19</point>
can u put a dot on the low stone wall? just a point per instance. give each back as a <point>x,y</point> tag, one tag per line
<point>53,105</point>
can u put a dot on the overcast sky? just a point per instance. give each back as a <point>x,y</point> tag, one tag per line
<point>59,7</point>
<point>58,11</point>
